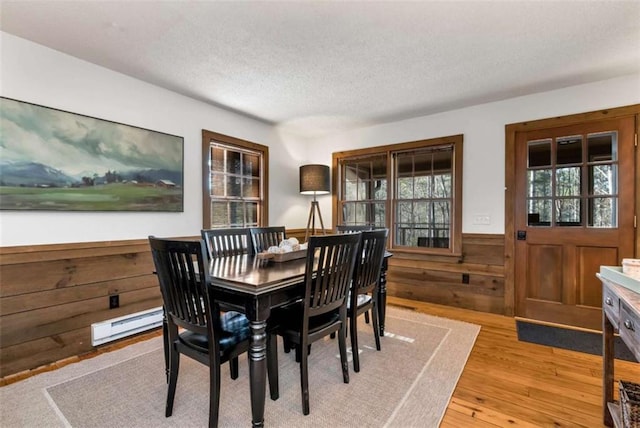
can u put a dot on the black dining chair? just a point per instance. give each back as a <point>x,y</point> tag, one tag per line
<point>227,242</point>
<point>322,311</point>
<point>189,301</point>
<point>364,287</point>
<point>351,228</point>
<point>265,237</point>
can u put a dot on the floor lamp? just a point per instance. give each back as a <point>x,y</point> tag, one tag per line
<point>314,180</point>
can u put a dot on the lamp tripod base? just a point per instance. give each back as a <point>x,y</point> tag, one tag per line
<point>311,223</point>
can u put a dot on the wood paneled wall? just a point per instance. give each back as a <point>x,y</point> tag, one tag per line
<point>439,279</point>
<point>51,294</point>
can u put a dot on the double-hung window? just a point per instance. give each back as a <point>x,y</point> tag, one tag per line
<point>413,189</point>
<point>234,182</point>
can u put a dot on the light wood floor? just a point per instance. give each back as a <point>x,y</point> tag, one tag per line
<point>505,382</point>
<point>512,383</point>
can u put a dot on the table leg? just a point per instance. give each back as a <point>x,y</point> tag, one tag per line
<point>607,368</point>
<point>382,295</point>
<point>258,371</point>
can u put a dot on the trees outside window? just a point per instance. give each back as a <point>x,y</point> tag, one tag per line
<point>413,189</point>
<point>234,182</point>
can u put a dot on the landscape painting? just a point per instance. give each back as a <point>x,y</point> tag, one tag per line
<point>54,160</point>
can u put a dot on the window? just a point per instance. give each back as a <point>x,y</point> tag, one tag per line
<point>413,189</point>
<point>572,181</point>
<point>365,191</point>
<point>234,182</point>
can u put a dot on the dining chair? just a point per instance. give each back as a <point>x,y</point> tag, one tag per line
<point>265,237</point>
<point>227,242</point>
<point>350,228</point>
<point>323,310</point>
<point>206,336</point>
<point>364,287</point>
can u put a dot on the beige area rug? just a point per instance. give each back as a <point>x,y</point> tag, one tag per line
<point>407,384</point>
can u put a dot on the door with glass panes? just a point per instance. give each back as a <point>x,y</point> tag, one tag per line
<point>574,212</point>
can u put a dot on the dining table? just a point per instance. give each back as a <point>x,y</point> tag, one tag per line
<point>256,286</point>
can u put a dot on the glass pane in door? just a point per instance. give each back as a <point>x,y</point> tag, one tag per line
<point>602,180</point>
<point>568,181</point>
<point>569,150</point>
<point>602,151</point>
<point>539,183</point>
<point>539,213</point>
<point>602,212</point>
<point>602,147</point>
<point>539,153</point>
<point>568,212</point>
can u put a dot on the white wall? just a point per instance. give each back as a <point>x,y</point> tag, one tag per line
<point>483,127</point>
<point>36,74</point>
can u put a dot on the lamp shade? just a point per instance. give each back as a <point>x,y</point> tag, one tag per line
<point>315,179</point>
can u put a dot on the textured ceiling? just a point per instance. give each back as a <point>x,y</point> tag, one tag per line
<point>323,66</point>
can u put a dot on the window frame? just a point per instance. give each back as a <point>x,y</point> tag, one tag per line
<point>455,246</point>
<point>209,137</point>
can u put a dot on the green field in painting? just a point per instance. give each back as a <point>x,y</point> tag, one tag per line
<point>109,197</point>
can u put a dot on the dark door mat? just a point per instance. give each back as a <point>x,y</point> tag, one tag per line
<point>573,340</point>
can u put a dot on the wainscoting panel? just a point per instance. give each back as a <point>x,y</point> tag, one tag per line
<point>51,294</point>
<point>473,281</point>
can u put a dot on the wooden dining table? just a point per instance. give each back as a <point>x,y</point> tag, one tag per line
<point>255,287</point>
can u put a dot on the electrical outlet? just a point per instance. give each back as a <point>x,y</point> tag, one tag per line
<point>114,301</point>
<point>482,219</point>
<point>465,278</point>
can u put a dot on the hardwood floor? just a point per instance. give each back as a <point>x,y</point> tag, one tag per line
<point>505,382</point>
<point>512,383</point>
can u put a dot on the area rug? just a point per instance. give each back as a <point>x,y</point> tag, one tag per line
<point>407,384</point>
<point>571,339</point>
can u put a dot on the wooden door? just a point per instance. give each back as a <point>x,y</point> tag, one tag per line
<point>574,211</point>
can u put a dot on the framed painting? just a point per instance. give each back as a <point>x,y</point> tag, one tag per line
<point>54,160</point>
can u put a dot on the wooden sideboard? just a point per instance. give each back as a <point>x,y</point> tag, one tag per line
<point>620,313</point>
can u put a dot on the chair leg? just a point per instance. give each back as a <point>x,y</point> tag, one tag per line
<point>297,353</point>
<point>272,366</point>
<point>353,331</point>
<point>366,317</point>
<point>165,345</point>
<point>214,394</point>
<point>286,345</point>
<point>342,342</point>
<point>233,368</point>
<point>376,330</point>
<point>304,380</point>
<point>174,367</point>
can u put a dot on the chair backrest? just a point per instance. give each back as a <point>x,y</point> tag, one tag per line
<point>227,242</point>
<point>330,263</point>
<point>367,271</point>
<point>345,228</point>
<point>183,277</point>
<point>265,237</point>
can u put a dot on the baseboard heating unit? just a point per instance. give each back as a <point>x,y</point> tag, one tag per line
<point>117,328</point>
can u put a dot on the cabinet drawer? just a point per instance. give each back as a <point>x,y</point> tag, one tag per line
<point>611,304</point>
<point>630,329</point>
